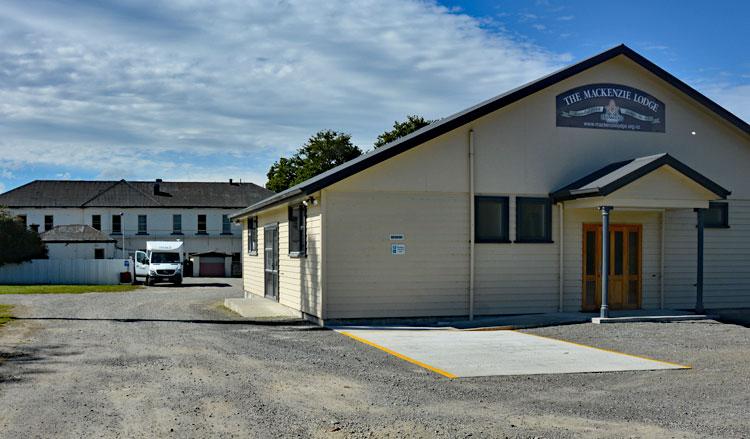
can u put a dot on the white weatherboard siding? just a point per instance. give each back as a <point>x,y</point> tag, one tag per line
<point>299,278</point>
<point>365,280</point>
<point>517,278</point>
<point>726,260</point>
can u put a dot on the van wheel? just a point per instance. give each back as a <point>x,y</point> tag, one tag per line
<point>148,281</point>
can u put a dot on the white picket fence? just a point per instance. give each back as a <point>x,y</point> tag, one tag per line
<point>64,271</point>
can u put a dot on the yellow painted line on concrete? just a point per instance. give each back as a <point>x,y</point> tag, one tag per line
<point>401,356</point>
<point>681,366</point>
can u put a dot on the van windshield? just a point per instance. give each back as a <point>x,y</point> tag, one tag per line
<point>165,258</point>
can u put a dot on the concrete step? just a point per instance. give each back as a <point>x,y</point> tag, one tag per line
<point>654,318</point>
<point>259,308</point>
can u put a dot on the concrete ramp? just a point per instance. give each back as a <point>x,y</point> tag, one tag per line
<point>260,308</point>
<point>454,353</point>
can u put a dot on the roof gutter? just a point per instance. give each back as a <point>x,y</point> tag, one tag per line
<point>267,203</point>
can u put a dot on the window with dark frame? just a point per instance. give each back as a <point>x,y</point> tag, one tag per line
<point>142,225</point>
<point>96,222</point>
<point>49,222</point>
<point>533,220</point>
<point>716,216</point>
<point>116,224</point>
<point>177,224</point>
<point>202,225</point>
<point>252,235</point>
<point>98,253</point>
<point>226,225</point>
<point>491,219</point>
<point>297,234</point>
<point>22,219</point>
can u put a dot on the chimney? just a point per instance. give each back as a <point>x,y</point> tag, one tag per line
<point>230,181</point>
<point>157,186</point>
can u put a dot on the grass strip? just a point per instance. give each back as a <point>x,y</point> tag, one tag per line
<point>65,289</point>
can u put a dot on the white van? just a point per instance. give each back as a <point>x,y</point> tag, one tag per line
<point>161,262</point>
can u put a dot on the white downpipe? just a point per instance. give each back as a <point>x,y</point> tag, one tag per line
<point>561,209</point>
<point>661,257</point>
<point>471,224</point>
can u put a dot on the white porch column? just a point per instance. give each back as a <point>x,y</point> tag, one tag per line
<point>604,311</point>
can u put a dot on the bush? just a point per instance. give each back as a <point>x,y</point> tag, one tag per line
<point>17,243</point>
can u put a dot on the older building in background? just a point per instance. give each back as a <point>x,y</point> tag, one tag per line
<point>133,212</point>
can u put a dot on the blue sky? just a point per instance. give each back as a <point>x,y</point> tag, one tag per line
<point>194,90</point>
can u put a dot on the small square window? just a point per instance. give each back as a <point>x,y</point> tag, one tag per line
<point>96,222</point>
<point>202,230</point>
<point>142,225</point>
<point>226,225</point>
<point>491,219</point>
<point>252,235</point>
<point>177,224</point>
<point>297,236</point>
<point>716,216</point>
<point>116,224</point>
<point>98,253</point>
<point>533,219</point>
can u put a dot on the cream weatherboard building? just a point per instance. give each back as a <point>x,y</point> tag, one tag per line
<point>500,209</point>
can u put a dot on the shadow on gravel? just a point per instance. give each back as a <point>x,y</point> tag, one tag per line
<point>190,285</point>
<point>740,316</point>
<point>290,322</point>
<point>14,362</point>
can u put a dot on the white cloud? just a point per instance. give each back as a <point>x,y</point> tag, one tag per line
<point>214,90</point>
<point>2,188</point>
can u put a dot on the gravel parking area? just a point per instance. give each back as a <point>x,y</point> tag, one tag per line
<point>169,362</point>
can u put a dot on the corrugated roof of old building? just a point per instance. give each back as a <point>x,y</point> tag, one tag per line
<point>75,233</point>
<point>79,193</point>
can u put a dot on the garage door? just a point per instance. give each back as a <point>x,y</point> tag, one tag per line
<point>212,267</point>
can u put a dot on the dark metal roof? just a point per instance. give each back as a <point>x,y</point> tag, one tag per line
<point>76,193</point>
<point>616,175</point>
<point>74,233</point>
<point>459,119</point>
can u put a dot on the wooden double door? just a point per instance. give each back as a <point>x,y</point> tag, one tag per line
<point>625,266</point>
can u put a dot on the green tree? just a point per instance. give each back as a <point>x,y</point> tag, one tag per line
<point>17,243</point>
<point>401,129</point>
<point>323,151</point>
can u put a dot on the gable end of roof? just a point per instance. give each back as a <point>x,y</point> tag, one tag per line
<point>470,114</point>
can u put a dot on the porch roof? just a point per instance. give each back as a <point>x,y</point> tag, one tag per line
<point>653,175</point>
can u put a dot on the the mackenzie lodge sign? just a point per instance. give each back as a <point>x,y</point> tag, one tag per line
<point>610,106</point>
